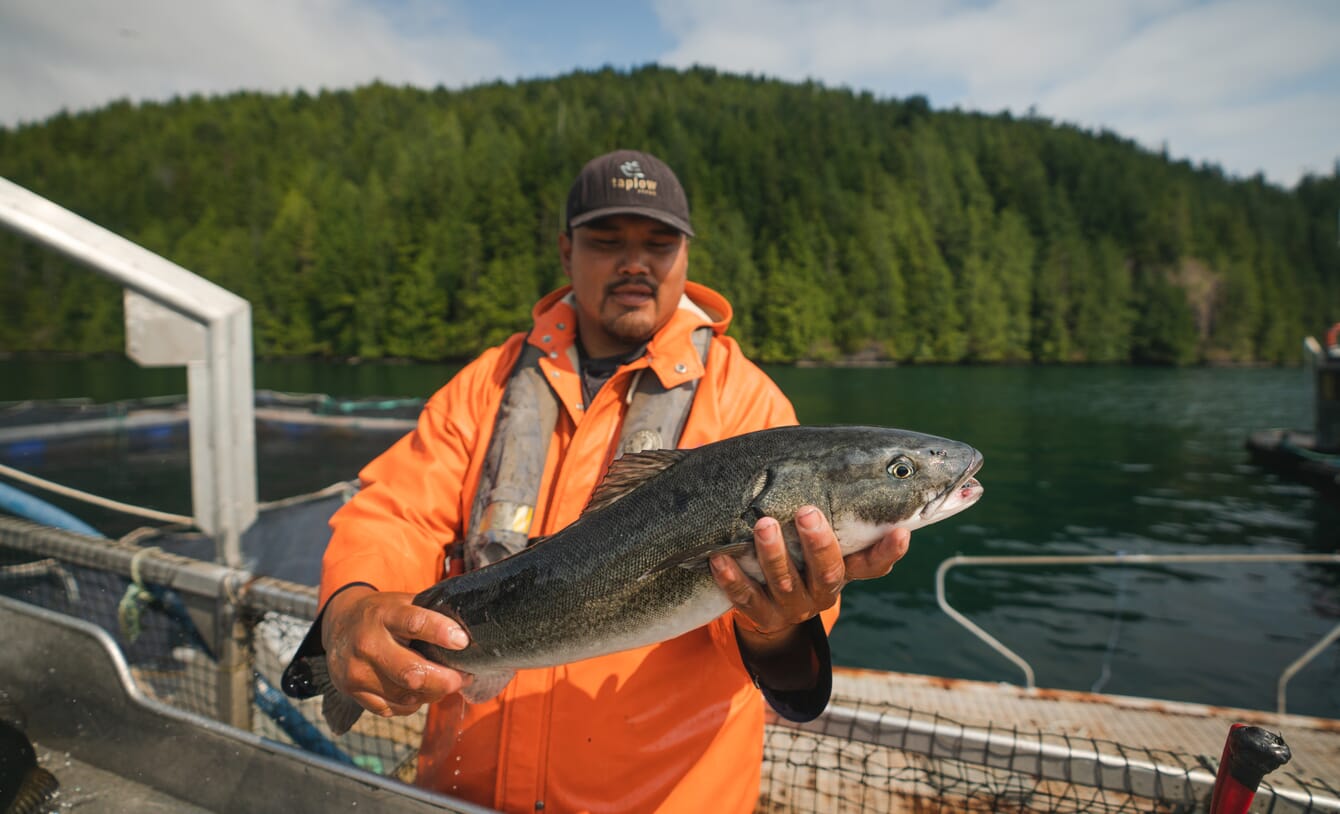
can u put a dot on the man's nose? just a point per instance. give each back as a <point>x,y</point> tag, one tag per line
<point>634,261</point>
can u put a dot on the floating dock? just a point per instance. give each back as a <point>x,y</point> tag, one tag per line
<point>1294,454</point>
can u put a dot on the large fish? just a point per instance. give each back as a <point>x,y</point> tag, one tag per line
<point>633,569</point>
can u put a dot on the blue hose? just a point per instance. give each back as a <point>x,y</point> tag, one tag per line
<point>24,505</point>
<point>270,701</point>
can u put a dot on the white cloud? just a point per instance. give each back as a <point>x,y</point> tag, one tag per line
<point>1249,86</point>
<point>85,54</point>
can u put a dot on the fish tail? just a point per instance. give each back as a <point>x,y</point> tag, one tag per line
<point>339,710</point>
<point>35,791</point>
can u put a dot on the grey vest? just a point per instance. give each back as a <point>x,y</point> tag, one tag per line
<point>509,482</point>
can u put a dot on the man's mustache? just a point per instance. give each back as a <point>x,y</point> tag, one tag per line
<point>648,286</point>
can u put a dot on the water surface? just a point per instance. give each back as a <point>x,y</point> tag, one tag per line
<point>1088,460</point>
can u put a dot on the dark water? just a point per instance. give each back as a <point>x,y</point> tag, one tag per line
<point>1078,461</point>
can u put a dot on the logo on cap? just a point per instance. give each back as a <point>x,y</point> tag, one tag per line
<point>628,182</point>
<point>635,179</point>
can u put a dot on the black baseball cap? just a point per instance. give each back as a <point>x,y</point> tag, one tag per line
<point>628,182</point>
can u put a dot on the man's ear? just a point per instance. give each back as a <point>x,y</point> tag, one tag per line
<point>565,253</point>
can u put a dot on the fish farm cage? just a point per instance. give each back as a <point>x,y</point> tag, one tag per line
<point>212,641</point>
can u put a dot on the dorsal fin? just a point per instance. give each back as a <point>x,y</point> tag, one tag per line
<point>631,471</point>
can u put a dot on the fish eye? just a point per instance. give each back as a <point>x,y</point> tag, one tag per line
<point>901,469</point>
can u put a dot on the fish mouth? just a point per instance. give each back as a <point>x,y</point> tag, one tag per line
<point>964,481</point>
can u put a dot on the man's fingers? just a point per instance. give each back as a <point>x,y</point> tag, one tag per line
<point>739,588</point>
<point>824,567</point>
<point>367,638</point>
<point>378,705</point>
<point>780,573</point>
<point>372,703</point>
<point>409,622</point>
<point>405,675</point>
<point>879,559</point>
<point>743,592</point>
<point>401,681</point>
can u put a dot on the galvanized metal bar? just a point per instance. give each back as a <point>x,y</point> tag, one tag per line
<point>1299,663</point>
<point>210,591</point>
<point>190,577</point>
<point>78,695</point>
<point>269,594</point>
<point>1122,559</point>
<point>164,418</point>
<point>973,627</point>
<point>133,266</point>
<point>222,451</point>
<point>234,668</point>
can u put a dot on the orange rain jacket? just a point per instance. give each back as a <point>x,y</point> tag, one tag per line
<point>676,726</point>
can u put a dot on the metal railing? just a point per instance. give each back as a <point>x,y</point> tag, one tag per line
<point>173,318</point>
<point>1021,759</point>
<point>1127,560</point>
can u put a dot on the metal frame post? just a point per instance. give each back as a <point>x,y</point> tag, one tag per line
<point>174,318</point>
<point>218,358</point>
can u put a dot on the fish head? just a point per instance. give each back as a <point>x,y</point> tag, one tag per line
<point>875,480</point>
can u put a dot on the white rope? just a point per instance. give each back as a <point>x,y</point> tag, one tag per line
<point>135,563</point>
<point>632,386</point>
<point>346,487</point>
<point>116,506</point>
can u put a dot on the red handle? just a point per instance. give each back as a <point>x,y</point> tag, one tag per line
<point>1250,753</point>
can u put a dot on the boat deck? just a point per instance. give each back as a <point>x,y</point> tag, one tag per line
<point>1155,725</point>
<point>1101,743</point>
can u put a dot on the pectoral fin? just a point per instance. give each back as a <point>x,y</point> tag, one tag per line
<point>698,559</point>
<point>486,685</point>
<point>739,544</point>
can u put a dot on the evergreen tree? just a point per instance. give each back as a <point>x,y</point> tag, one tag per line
<point>421,223</point>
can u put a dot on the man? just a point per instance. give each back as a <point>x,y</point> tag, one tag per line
<point>631,344</point>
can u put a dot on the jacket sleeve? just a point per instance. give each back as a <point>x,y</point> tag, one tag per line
<point>395,533</point>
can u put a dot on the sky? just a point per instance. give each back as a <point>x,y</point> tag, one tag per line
<point>1251,86</point>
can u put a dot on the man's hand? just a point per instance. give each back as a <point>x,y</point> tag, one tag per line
<point>366,634</point>
<point>769,613</point>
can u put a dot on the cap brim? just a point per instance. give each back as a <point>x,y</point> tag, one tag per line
<point>646,212</point>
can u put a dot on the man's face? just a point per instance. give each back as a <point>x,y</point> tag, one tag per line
<point>628,274</point>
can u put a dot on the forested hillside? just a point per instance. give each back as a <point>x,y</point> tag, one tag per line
<point>399,222</point>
